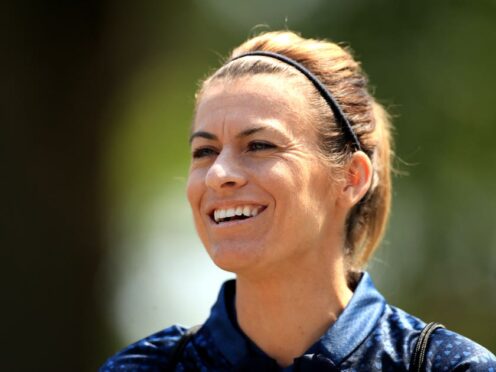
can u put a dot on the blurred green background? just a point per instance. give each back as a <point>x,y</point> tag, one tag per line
<point>96,237</point>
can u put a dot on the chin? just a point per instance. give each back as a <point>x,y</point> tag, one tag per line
<point>234,257</point>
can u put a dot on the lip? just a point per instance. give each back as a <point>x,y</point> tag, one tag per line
<point>233,204</point>
<point>235,223</point>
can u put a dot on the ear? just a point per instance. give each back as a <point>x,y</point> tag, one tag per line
<point>358,178</point>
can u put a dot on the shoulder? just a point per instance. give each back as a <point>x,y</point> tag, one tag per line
<point>390,346</point>
<point>152,353</point>
<point>449,349</point>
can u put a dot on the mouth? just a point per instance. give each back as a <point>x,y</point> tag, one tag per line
<point>237,213</point>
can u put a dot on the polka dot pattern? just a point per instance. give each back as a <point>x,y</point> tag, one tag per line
<point>369,335</point>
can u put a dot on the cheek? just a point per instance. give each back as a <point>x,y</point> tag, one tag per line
<point>194,189</point>
<point>290,176</point>
<point>305,189</point>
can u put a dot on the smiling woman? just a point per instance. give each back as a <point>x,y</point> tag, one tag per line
<point>290,189</point>
<point>256,154</point>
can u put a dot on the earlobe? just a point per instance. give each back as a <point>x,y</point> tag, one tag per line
<point>358,178</point>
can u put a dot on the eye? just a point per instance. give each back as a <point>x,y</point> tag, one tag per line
<point>260,146</point>
<point>203,152</point>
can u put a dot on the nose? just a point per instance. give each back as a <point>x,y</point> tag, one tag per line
<point>226,173</point>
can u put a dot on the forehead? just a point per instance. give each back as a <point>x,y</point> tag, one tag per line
<point>244,100</point>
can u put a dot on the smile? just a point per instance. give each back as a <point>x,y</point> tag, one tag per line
<point>240,212</point>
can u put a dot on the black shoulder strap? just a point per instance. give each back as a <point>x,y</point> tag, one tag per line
<point>177,352</point>
<point>418,357</point>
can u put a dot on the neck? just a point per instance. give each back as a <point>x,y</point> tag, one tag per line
<point>286,313</point>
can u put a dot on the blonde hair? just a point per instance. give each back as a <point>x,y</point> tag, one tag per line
<point>342,75</point>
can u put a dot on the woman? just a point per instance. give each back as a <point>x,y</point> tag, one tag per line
<point>290,189</point>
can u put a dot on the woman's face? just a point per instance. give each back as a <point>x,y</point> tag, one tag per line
<point>259,193</point>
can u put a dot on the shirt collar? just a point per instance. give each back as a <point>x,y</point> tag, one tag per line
<point>351,328</point>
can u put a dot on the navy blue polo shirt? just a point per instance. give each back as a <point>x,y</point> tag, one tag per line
<point>369,335</point>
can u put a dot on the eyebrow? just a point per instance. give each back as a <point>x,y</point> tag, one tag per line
<point>202,134</point>
<point>213,137</point>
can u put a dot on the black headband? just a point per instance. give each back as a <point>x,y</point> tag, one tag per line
<point>324,92</point>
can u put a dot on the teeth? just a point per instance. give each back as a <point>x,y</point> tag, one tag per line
<point>245,210</point>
